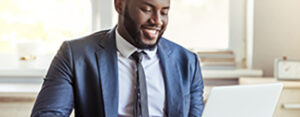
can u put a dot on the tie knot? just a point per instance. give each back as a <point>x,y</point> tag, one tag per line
<point>138,56</point>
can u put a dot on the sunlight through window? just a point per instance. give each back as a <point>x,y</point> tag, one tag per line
<point>36,28</point>
<point>50,21</point>
<point>199,24</point>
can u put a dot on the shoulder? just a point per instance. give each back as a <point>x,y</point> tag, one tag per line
<point>177,51</point>
<point>83,47</point>
<point>89,40</point>
<point>85,44</point>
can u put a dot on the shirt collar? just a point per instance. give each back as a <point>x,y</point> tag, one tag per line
<point>126,49</point>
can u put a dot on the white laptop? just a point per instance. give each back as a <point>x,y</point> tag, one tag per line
<point>243,101</point>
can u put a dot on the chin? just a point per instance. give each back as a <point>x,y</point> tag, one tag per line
<point>149,42</point>
<point>142,42</point>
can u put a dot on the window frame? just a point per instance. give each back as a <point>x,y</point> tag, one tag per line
<point>237,31</point>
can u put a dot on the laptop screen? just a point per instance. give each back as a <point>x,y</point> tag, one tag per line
<point>243,101</point>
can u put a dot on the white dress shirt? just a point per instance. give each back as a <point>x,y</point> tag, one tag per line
<point>127,79</point>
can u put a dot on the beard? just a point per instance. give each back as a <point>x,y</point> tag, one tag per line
<point>133,31</point>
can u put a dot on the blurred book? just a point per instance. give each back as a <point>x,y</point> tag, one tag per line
<point>217,60</point>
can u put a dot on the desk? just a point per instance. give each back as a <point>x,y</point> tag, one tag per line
<point>17,99</point>
<point>289,101</point>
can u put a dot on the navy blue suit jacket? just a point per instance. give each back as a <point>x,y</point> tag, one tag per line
<point>84,75</point>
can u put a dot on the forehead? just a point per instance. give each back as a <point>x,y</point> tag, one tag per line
<point>154,3</point>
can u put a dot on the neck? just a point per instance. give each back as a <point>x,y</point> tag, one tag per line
<point>124,33</point>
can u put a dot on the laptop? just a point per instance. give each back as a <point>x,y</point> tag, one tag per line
<point>243,100</point>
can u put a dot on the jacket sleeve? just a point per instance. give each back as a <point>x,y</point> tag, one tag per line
<point>56,98</point>
<point>197,104</point>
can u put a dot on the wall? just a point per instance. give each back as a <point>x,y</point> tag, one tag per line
<point>276,32</point>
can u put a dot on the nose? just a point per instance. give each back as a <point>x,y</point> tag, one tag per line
<point>156,19</point>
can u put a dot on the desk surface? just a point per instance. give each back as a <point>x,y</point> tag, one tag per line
<point>20,87</point>
<point>260,80</point>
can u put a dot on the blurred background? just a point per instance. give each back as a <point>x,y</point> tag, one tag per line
<point>233,38</point>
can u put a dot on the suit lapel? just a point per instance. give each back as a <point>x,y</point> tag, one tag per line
<point>172,82</point>
<point>108,71</point>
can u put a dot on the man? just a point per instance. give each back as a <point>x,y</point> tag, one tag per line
<point>127,71</point>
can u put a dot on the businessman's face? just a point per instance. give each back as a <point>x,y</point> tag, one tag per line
<point>143,22</point>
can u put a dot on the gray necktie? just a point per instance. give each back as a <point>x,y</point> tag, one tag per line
<point>141,99</point>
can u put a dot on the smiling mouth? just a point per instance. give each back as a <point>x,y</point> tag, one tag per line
<point>151,33</point>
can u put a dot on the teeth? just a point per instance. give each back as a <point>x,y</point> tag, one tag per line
<point>152,31</point>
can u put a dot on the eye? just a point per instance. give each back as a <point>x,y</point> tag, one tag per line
<point>146,9</point>
<point>165,12</point>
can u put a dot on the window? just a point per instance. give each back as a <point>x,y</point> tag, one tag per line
<point>195,24</point>
<point>26,23</point>
<point>199,24</point>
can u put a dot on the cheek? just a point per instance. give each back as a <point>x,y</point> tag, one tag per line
<point>143,19</point>
<point>165,22</point>
<point>138,17</point>
<point>133,15</point>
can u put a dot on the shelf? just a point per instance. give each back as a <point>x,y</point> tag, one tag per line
<point>20,87</point>
<point>231,74</point>
<point>24,73</point>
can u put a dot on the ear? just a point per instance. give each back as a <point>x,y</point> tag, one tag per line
<point>120,6</point>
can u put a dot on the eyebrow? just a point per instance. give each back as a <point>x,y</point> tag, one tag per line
<point>151,5</point>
